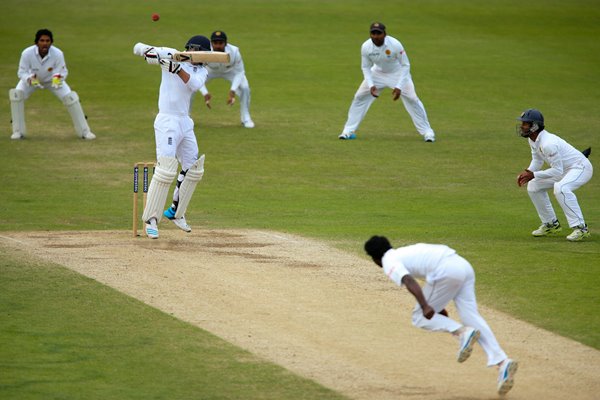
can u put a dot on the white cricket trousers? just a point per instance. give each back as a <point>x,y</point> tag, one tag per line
<point>174,135</point>
<point>564,187</point>
<point>458,284</point>
<point>363,100</point>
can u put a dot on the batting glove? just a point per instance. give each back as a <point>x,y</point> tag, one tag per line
<point>151,56</point>
<point>57,81</point>
<point>33,81</point>
<point>169,65</point>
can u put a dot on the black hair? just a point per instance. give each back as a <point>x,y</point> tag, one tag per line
<point>43,32</point>
<point>377,246</point>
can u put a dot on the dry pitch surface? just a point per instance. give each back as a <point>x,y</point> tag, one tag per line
<point>320,312</point>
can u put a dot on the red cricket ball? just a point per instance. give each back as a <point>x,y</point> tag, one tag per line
<point>155,17</point>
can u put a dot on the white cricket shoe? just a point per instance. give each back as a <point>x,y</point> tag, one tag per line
<point>89,136</point>
<point>152,229</point>
<point>429,137</point>
<point>347,136</point>
<point>182,224</point>
<point>248,124</point>
<point>467,340</point>
<point>579,233</point>
<point>547,229</point>
<point>17,136</point>
<point>506,376</point>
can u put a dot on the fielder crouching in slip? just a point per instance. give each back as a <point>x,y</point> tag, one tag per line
<point>174,135</point>
<point>42,66</point>
<point>448,277</point>
<point>569,169</point>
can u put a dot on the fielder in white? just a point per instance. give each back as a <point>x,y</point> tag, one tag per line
<point>42,66</point>
<point>234,72</point>
<point>174,135</point>
<point>569,170</point>
<point>385,65</point>
<point>447,277</point>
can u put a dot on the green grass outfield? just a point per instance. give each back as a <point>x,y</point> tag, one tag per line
<point>476,65</point>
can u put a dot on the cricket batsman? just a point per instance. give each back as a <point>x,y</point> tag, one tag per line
<point>174,134</point>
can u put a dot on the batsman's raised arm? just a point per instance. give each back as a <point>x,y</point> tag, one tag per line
<point>153,54</point>
<point>195,57</point>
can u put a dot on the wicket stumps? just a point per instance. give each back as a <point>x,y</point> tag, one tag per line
<point>145,181</point>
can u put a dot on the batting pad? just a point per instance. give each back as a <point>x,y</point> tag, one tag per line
<point>186,190</point>
<point>165,172</point>
<point>17,110</point>
<point>71,101</point>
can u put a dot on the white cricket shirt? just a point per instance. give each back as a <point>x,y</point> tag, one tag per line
<point>234,70</point>
<point>175,95</point>
<point>420,260</point>
<point>389,58</point>
<point>32,63</point>
<point>556,152</point>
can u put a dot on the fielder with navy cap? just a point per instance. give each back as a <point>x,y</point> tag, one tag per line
<point>234,72</point>
<point>385,65</point>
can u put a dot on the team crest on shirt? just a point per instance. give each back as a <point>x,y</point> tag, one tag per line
<point>50,69</point>
<point>388,52</point>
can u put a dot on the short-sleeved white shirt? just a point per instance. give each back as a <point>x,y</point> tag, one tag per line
<point>420,260</point>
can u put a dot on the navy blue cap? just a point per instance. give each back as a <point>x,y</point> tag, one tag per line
<point>218,35</point>
<point>377,27</point>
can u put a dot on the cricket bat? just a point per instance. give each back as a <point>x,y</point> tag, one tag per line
<point>201,57</point>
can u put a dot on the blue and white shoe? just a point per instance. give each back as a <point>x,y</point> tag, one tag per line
<point>506,376</point>
<point>467,340</point>
<point>347,136</point>
<point>151,229</point>
<point>179,222</point>
<point>169,213</point>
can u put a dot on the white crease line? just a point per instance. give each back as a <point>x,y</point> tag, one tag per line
<point>14,240</point>
<point>272,235</point>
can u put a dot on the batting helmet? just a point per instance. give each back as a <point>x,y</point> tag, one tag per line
<point>535,118</point>
<point>198,43</point>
